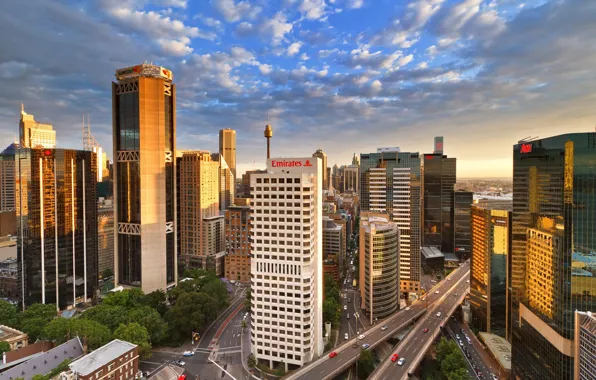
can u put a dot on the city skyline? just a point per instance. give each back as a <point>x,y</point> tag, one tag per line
<point>468,71</point>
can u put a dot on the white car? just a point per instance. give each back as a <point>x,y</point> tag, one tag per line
<point>180,362</point>
<point>437,292</point>
<point>346,337</point>
<point>408,308</point>
<point>188,353</point>
<point>439,314</point>
<point>401,361</point>
<point>384,328</point>
<point>361,336</point>
<point>345,307</point>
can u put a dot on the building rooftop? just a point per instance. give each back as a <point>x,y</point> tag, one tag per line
<point>499,348</point>
<point>100,357</point>
<point>431,252</point>
<point>7,333</point>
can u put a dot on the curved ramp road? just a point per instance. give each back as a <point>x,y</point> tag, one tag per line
<point>326,368</point>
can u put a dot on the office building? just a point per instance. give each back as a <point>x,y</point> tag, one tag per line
<point>334,246</point>
<point>7,178</point>
<point>553,245</point>
<point>320,154</point>
<point>585,346</point>
<point>9,276</point>
<point>227,148</point>
<point>286,239</point>
<point>245,186</point>
<point>227,183</point>
<point>491,249</point>
<point>462,219</point>
<point>439,185</point>
<point>351,179</point>
<point>144,172</point>
<point>56,226</point>
<point>202,234</point>
<point>14,338</point>
<point>105,236</point>
<point>238,228</point>
<point>33,134</point>
<point>390,183</point>
<point>378,264</point>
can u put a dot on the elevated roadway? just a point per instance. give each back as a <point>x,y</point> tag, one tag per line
<point>326,368</point>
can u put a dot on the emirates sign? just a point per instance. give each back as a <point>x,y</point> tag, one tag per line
<point>290,164</point>
<point>526,148</point>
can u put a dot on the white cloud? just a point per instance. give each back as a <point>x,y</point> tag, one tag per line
<point>376,86</point>
<point>276,28</point>
<point>304,57</point>
<point>355,4</point>
<point>265,69</point>
<point>177,48</point>
<point>171,3</point>
<point>313,9</point>
<point>234,12</point>
<point>422,65</point>
<point>362,57</point>
<point>294,48</point>
<point>327,53</point>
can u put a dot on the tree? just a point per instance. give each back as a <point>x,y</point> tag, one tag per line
<point>107,315</point>
<point>243,324</point>
<point>190,313</point>
<point>460,374</point>
<point>90,332</point>
<point>156,300</point>
<point>247,301</point>
<point>252,362</point>
<point>8,314</point>
<point>46,312</point>
<point>128,298</point>
<point>218,290</point>
<point>39,377</point>
<point>107,273</point>
<point>33,327</point>
<point>331,311</point>
<point>136,334</point>
<point>366,363</point>
<point>4,347</point>
<point>443,349</point>
<point>454,361</point>
<point>57,331</point>
<point>151,320</point>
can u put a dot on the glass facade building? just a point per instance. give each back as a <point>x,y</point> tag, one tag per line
<point>144,141</point>
<point>390,183</point>
<point>491,247</point>
<point>462,219</point>
<point>56,226</point>
<point>553,263</point>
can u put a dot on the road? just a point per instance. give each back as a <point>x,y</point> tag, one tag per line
<point>414,344</point>
<point>351,300</point>
<point>475,363</point>
<point>327,368</point>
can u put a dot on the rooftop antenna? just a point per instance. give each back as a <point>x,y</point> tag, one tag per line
<point>89,142</point>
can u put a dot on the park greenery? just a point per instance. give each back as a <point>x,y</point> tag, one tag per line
<point>332,302</point>
<point>148,320</point>
<point>452,361</point>
<point>366,363</point>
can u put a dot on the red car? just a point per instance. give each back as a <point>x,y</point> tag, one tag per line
<point>333,354</point>
<point>425,330</point>
<point>394,357</point>
<point>182,377</point>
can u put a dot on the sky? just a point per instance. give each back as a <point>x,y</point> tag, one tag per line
<point>346,76</point>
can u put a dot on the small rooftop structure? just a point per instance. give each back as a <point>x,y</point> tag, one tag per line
<point>432,253</point>
<point>499,348</point>
<point>101,357</point>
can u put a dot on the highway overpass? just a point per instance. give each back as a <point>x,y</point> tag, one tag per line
<point>326,368</point>
<point>414,346</point>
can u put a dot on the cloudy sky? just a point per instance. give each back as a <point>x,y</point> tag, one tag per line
<point>342,75</point>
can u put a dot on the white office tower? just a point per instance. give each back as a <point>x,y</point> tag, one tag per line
<point>286,264</point>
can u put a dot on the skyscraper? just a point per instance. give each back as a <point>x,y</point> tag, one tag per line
<point>379,265</point>
<point>105,237</point>
<point>553,245</point>
<point>56,226</point>
<point>7,178</point>
<point>238,226</point>
<point>491,247</point>
<point>227,183</point>
<point>286,243</point>
<point>33,134</point>
<point>351,178</point>
<point>390,183</point>
<point>462,231</point>
<point>144,141</point>
<point>585,341</point>
<point>439,185</point>
<point>320,154</point>
<point>202,233</point>
<point>227,148</point>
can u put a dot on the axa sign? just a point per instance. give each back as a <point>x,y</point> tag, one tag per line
<point>525,148</point>
<point>290,163</point>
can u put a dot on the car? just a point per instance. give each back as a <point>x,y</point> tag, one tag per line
<point>384,328</point>
<point>408,308</point>
<point>494,377</point>
<point>394,357</point>
<point>180,362</point>
<point>349,300</point>
<point>188,353</point>
<point>469,340</point>
<point>468,281</point>
<point>361,336</point>
<point>348,316</point>
<point>425,330</point>
<point>437,292</point>
<point>332,355</point>
<point>346,337</point>
<point>460,343</point>
<point>401,361</point>
<point>182,377</point>
<point>463,331</point>
<point>457,336</point>
<point>345,307</point>
<point>439,314</point>
<point>365,346</point>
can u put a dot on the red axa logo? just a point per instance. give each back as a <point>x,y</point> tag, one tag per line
<point>136,69</point>
<point>525,148</point>
<point>307,163</point>
<point>287,164</point>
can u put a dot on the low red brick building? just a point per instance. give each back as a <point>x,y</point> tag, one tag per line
<point>117,360</point>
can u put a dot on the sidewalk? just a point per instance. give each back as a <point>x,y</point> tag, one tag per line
<point>486,357</point>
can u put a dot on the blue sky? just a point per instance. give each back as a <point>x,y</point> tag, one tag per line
<point>346,76</point>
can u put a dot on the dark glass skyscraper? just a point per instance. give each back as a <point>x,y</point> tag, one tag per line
<point>462,231</point>
<point>144,137</point>
<point>439,182</point>
<point>56,226</point>
<point>553,251</point>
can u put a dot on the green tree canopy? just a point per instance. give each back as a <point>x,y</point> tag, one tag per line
<point>460,374</point>
<point>157,300</point>
<point>247,300</point>
<point>443,349</point>
<point>8,314</point>
<point>136,334</point>
<point>218,290</point>
<point>107,315</point>
<point>366,363</point>
<point>190,313</point>
<point>33,327</point>
<point>90,332</point>
<point>151,320</point>
<point>331,311</point>
<point>453,362</point>
<point>128,298</point>
<point>46,312</point>
<point>4,347</point>
<point>57,331</point>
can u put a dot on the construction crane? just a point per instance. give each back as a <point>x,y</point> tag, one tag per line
<point>89,142</point>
